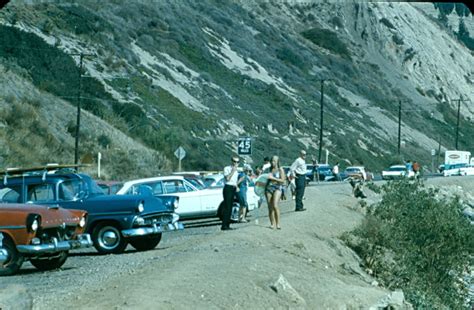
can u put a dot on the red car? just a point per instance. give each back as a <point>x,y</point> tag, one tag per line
<point>43,235</point>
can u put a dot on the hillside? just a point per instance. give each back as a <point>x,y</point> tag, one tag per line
<point>163,74</point>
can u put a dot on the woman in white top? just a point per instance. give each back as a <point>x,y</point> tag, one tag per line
<point>276,181</point>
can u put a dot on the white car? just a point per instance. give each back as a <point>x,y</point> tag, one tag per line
<point>217,181</point>
<point>397,172</point>
<point>193,202</point>
<point>358,172</point>
<point>457,169</point>
<point>468,170</point>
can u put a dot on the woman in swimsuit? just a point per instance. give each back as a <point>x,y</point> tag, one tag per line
<point>276,179</point>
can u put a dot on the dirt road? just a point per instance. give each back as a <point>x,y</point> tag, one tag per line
<point>303,265</point>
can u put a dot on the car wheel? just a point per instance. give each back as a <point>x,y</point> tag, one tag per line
<point>50,264</point>
<point>108,239</point>
<point>146,243</point>
<point>14,261</point>
<point>235,212</point>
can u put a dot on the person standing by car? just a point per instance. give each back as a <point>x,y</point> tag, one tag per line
<point>298,170</point>
<point>230,188</point>
<point>243,184</point>
<point>276,181</point>
<point>335,172</point>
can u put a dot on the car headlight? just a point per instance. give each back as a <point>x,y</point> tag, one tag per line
<point>141,207</point>
<point>176,203</point>
<point>140,221</point>
<point>82,222</point>
<point>33,222</point>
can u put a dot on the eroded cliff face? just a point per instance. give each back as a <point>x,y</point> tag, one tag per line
<point>202,74</point>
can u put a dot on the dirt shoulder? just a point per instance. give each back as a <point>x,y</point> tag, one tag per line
<point>304,265</point>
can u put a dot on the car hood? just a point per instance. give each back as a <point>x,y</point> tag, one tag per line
<point>15,214</point>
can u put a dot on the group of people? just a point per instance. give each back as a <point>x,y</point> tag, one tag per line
<point>274,186</point>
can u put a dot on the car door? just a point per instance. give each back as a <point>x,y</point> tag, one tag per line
<point>190,203</point>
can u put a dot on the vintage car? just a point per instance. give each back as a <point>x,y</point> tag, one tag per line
<point>357,172</point>
<point>397,172</point>
<point>43,235</point>
<point>456,169</point>
<point>193,202</point>
<point>113,221</point>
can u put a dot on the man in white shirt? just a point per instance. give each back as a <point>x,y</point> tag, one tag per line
<point>230,187</point>
<point>298,170</point>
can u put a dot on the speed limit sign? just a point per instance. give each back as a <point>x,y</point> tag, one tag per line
<point>244,146</point>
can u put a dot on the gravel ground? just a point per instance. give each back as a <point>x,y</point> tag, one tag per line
<point>302,266</point>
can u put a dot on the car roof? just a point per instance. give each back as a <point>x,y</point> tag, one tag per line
<point>160,178</point>
<point>355,167</point>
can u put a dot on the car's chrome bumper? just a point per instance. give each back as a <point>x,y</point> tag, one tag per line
<point>153,229</point>
<point>3,256</point>
<point>82,241</point>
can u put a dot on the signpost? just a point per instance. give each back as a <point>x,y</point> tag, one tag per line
<point>180,153</point>
<point>244,146</point>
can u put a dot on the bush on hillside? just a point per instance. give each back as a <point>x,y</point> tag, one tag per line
<point>328,40</point>
<point>417,241</point>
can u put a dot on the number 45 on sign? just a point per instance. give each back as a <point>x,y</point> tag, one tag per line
<point>244,146</point>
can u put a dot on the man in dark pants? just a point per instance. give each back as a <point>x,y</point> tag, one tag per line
<point>230,187</point>
<point>298,169</point>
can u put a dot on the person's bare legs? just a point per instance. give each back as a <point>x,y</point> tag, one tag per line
<point>270,210</point>
<point>276,208</point>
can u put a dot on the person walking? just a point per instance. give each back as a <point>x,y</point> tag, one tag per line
<point>276,181</point>
<point>230,188</point>
<point>298,170</point>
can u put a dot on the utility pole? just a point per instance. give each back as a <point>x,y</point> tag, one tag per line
<point>321,122</point>
<point>457,121</point>
<point>78,119</point>
<point>399,125</point>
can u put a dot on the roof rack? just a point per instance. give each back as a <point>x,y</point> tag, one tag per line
<point>40,170</point>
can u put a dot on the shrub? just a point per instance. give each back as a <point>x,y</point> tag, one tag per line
<point>418,242</point>
<point>387,23</point>
<point>328,40</point>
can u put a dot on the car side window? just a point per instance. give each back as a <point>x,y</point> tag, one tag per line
<point>10,194</point>
<point>40,192</point>
<point>174,186</point>
<point>157,188</point>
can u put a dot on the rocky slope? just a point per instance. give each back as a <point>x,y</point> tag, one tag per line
<point>201,74</point>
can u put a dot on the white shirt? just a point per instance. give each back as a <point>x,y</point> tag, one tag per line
<point>335,169</point>
<point>233,179</point>
<point>298,167</point>
<point>266,167</point>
